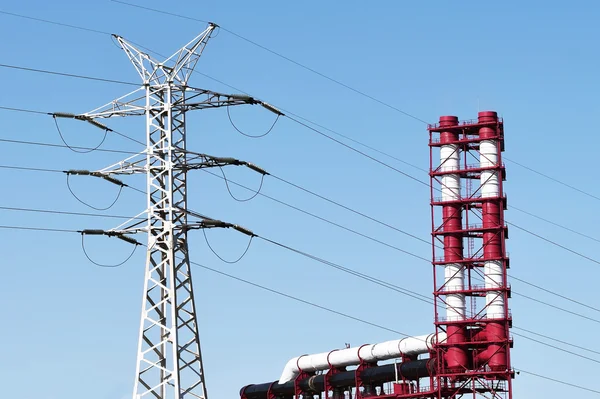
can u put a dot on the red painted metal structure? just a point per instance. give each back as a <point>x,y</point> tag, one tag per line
<point>475,358</point>
<point>470,356</point>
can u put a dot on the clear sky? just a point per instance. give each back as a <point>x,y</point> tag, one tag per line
<point>70,328</point>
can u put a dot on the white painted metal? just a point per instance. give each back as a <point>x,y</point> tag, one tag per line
<point>490,187</point>
<point>410,346</point>
<point>453,273</point>
<point>450,161</point>
<point>169,359</point>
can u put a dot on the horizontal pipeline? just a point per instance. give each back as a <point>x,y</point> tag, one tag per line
<point>376,375</point>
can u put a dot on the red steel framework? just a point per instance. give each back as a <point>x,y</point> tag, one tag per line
<point>468,237</point>
<point>470,353</point>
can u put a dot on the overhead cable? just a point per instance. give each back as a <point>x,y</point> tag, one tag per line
<point>302,301</point>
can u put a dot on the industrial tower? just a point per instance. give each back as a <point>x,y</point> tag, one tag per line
<point>169,359</point>
<point>470,283</point>
<point>468,355</point>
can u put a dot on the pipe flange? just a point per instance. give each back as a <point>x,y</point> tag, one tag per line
<point>243,391</point>
<point>360,359</point>
<point>328,362</point>
<point>429,341</point>
<point>399,344</point>
<point>298,363</point>
<point>270,395</point>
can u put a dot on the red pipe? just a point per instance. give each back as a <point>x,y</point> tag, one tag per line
<point>495,354</point>
<point>456,357</point>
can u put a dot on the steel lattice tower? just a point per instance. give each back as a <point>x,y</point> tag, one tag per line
<point>169,358</point>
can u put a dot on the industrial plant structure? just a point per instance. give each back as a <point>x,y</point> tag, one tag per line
<point>468,354</point>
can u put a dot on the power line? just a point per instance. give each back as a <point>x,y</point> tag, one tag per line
<point>325,219</point>
<point>54,23</point>
<point>554,293</point>
<point>279,55</point>
<point>57,212</point>
<point>557,381</point>
<point>554,243</point>
<point>38,229</point>
<point>357,318</point>
<point>54,171</point>
<point>331,201</point>
<point>51,114</point>
<point>301,300</point>
<point>354,318</point>
<point>394,228</point>
<point>556,347</point>
<point>39,143</point>
<point>404,291</point>
<point>557,340</point>
<point>337,141</point>
<point>349,209</point>
<point>387,154</point>
<point>553,179</point>
<point>67,230</point>
<point>31,169</point>
<point>287,111</point>
<point>24,110</point>
<point>363,276</point>
<point>357,150</point>
<point>326,199</point>
<point>347,270</point>
<point>554,223</point>
<point>425,184</point>
<point>362,93</point>
<point>556,307</point>
<point>163,12</point>
<point>70,75</point>
<point>274,176</point>
<point>373,239</point>
<point>331,79</point>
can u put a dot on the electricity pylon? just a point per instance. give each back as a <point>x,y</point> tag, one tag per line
<point>169,359</point>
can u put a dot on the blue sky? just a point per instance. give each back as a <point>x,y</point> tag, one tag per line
<point>71,327</point>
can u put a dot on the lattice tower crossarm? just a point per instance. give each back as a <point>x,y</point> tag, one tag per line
<point>169,358</point>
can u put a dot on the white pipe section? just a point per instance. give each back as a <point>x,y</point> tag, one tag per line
<point>410,346</point>
<point>453,273</point>
<point>449,161</point>
<point>490,187</point>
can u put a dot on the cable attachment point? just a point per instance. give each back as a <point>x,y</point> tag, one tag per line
<point>209,161</point>
<point>243,230</point>
<point>118,234</point>
<point>211,223</point>
<point>251,100</point>
<point>110,233</point>
<point>101,175</point>
<point>208,223</point>
<point>224,160</point>
<point>245,98</point>
<point>256,168</point>
<point>220,162</point>
<point>104,176</point>
<point>81,118</point>
<point>271,108</point>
